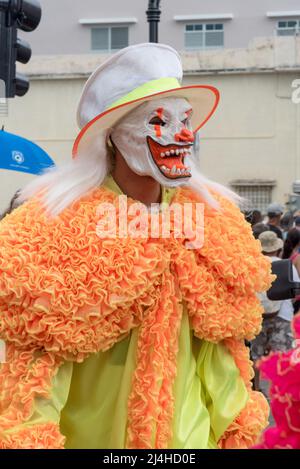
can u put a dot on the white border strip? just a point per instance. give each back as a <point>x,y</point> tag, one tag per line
<point>214,16</point>
<point>283,14</point>
<point>85,21</point>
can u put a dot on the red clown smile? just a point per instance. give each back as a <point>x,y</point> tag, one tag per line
<point>170,158</point>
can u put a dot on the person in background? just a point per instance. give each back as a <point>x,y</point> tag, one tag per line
<point>296,214</point>
<point>14,203</point>
<point>291,248</point>
<point>282,370</point>
<point>291,251</point>
<point>276,331</point>
<point>275,212</point>
<point>286,223</point>
<point>253,216</point>
<point>297,223</point>
<point>259,228</point>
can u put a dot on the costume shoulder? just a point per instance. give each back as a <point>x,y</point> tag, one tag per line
<point>65,289</point>
<point>220,280</point>
<point>230,248</point>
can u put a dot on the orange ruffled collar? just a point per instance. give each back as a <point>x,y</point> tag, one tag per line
<point>74,294</point>
<point>66,294</point>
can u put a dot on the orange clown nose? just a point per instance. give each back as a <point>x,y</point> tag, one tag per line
<point>184,136</point>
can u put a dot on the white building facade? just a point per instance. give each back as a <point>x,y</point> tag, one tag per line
<point>93,26</point>
<point>251,144</point>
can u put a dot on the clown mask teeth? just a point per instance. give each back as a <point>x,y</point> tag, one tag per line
<point>173,158</point>
<point>165,169</point>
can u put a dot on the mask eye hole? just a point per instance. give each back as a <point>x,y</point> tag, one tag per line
<point>157,121</point>
<point>186,121</point>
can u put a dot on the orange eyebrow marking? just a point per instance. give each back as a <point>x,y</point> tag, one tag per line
<point>157,127</point>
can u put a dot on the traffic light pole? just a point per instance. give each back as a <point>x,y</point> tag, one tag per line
<point>153,17</point>
<point>8,37</point>
<point>5,49</point>
<point>4,52</point>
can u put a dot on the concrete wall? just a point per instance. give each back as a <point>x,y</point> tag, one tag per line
<point>255,133</point>
<point>61,33</point>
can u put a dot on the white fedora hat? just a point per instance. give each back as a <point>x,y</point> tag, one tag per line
<point>133,75</point>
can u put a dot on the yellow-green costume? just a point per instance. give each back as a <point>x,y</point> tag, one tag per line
<point>87,364</point>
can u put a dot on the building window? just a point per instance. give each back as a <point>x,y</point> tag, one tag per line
<point>204,36</point>
<point>109,39</point>
<point>288,28</point>
<point>257,194</point>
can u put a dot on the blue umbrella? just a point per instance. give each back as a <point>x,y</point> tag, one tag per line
<point>19,154</point>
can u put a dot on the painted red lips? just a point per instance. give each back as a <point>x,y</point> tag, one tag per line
<point>170,158</point>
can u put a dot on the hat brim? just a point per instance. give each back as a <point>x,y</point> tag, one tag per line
<point>204,100</point>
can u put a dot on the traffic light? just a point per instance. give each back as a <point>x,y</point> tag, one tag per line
<point>14,15</point>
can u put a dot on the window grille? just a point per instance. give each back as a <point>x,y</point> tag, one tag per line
<point>257,194</point>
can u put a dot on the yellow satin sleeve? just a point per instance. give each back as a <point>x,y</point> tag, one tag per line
<point>95,415</point>
<point>89,400</point>
<point>209,392</point>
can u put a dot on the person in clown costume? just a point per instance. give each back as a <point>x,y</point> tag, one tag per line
<point>130,342</point>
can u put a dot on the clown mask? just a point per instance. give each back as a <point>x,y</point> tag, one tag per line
<point>156,140</point>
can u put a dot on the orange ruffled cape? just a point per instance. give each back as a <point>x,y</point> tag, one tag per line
<point>65,294</point>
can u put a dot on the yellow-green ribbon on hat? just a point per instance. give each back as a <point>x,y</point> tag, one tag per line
<point>147,89</point>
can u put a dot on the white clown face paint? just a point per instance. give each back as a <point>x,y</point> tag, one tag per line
<point>156,140</point>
